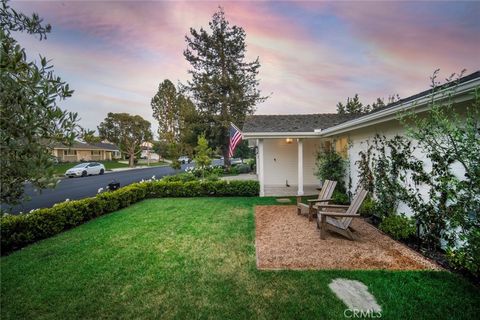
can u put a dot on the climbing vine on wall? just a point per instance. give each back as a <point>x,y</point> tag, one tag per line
<point>448,137</point>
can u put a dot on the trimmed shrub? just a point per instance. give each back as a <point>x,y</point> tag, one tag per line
<point>398,227</point>
<point>17,231</point>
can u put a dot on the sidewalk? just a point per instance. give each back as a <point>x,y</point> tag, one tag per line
<point>134,168</point>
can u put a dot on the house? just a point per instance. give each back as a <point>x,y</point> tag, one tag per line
<point>81,151</point>
<point>148,153</point>
<point>287,144</point>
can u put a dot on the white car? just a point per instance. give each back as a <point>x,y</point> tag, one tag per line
<point>184,160</point>
<point>235,161</point>
<point>85,169</point>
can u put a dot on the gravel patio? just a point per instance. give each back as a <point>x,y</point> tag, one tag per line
<point>285,240</point>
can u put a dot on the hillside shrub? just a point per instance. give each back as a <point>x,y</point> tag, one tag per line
<point>17,231</point>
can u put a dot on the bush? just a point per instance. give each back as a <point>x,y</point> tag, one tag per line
<point>231,171</point>
<point>212,177</point>
<point>340,198</point>
<point>243,168</point>
<point>331,166</point>
<point>398,227</point>
<point>21,230</point>
<point>252,163</point>
<point>205,173</point>
<point>368,207</point>
<point>182,177</point>
<point>467,256</point>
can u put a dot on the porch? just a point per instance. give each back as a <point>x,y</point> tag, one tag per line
<point>287,166</point>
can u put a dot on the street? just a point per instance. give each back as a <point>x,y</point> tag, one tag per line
<point>78,188</point>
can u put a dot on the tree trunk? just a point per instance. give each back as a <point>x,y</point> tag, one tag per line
<point>131,160</point>
<point>226,159</point>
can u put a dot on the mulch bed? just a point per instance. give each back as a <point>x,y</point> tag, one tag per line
<point>285,240</point>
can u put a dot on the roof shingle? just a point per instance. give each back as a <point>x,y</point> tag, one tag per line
<point>294,122</point>
<point>310,122</point>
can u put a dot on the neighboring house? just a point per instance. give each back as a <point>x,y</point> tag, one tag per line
<point>147,152</point>
<point>112,152</point>
<point>80,151</point>
<point>287,144</point>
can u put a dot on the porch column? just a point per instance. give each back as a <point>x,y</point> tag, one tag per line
<point>261,173</point>
<point>257,167</point>
<point>300,167</point>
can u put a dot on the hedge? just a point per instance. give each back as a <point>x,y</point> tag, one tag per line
<point>17,231</point>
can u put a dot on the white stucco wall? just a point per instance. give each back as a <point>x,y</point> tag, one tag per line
<point>359,140</point>
<point>281,161</point>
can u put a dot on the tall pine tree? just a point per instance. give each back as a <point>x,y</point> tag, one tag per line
<point>166,111</point>
<point>177,118</point>
<point>224,85</point>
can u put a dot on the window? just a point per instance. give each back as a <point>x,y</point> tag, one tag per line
<point>69,152</point>
<point>96,152</point>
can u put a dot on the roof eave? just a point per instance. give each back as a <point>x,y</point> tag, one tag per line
<point>266,135</point>
<point>419,105</point>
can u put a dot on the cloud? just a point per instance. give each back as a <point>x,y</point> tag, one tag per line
<point>313,54</point>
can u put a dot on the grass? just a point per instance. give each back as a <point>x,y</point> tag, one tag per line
<point>195,258</point>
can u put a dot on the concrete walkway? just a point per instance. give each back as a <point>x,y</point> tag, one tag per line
<point>355,295</point>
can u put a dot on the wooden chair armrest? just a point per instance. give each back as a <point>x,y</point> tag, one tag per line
<point>319,200</point>
<point>299,198</point>
<point>339,214</point>
<point>332,206</point>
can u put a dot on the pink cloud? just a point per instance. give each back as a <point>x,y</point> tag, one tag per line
<point>119,51</point>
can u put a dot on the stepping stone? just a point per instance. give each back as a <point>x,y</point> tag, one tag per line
<point>355,295</point>
<point>283,200</point>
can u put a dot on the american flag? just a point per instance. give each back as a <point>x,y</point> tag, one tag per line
<point>235,138</point>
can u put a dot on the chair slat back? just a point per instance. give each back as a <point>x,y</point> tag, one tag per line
<point>355,205</point>
<point>327,189</point>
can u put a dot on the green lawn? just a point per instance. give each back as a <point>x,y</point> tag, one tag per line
<point>195,258</point>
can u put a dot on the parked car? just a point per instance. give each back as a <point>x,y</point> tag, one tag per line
<point>184,159</point>
<point>235,161</point>
<point>85,169</point>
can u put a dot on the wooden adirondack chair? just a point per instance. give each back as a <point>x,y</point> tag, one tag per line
<point>338,221</point>
<point>323,196</point>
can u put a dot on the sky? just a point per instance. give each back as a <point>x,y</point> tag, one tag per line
<point>313,54</point>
